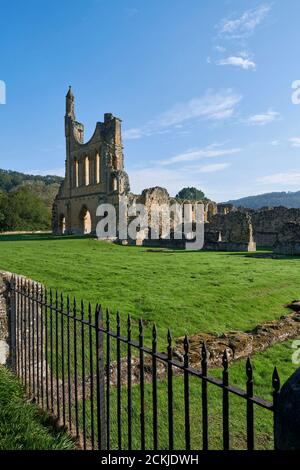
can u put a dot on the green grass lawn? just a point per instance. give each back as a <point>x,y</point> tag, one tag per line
<point>190,292</point>
<point>22,425</point>
<point>263,364</point>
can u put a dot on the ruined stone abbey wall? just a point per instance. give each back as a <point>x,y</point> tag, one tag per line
<point>94,174</point>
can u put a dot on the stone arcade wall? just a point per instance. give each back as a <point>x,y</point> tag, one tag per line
<point>157,201</point>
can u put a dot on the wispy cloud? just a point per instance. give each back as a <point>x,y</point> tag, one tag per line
<point>275,143</point>
<point>212,168</point>
<point>213,105</point>
<point>220,48</point>
<point>290,177</point>
<point>295,141</point>
<point>197,154</point>
<point>172,179</point>
<point>263,119</point>
<point>244,63</point>
<point>243,26</point>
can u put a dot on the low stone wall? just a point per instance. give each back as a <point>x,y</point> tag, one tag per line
<point>240,344</point>
<point>4,327</point>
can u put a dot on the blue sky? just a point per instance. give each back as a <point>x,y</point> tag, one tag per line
<point>203,88</point>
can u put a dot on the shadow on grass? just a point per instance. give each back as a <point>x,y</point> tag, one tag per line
<point>41,237</point>
<point>269,255</point>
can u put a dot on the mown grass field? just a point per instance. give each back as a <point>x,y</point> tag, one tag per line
<point>263,365</point>
<point>22,425</point>
<point>189,292</point>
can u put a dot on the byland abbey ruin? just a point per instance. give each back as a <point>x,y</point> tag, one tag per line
<point>94,174</point>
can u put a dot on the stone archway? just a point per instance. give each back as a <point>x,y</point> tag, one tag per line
<point>62,224</point>
<point>85,221</point>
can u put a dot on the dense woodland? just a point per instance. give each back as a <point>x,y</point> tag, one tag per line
<point>26,200</point>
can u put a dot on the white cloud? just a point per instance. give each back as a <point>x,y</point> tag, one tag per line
<point>295,141</point>
<point>213,105</point>
<point>275,143</point>
<point>173,180</point>
<point>212,168</point>
<point>242,62</point>
<point>243,26</point>
<point>264,118</point>
<point>134,133</point>
<point>197,154</point>
<point>220,48</point>
<point>291,177</point>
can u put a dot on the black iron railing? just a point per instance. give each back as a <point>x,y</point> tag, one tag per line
<point>113,392</point>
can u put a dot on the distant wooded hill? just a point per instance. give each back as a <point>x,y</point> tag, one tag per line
<point>286,199</point>
<point>26,200</point>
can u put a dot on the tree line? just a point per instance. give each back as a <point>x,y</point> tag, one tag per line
<point>26,201</point>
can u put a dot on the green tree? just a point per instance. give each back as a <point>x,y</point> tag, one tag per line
<point>190,194</point>
<point>4,205</point>
<point>26,211</point>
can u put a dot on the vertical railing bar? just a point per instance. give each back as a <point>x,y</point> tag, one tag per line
<point>63,384</point>
<point>129,385</point>
<point>101,426</point>
<point>119,398</point>
<point>204,399</point>
<point>42,345</point>
<point>187,396</point>
<point>83,376</point>
<point>25,331</point>
<point>17,307</point>
<point>107,380</point>
<point>75,368</point>
<point>170,393</point>
<point>12,319</point>
<point>154,389</point>
<point>31,300</point>
<point>57,356</point>
<point>30,355</point>
<point>225,377</point>
<point>24,364</point>
<point>91,376</point>
<point>37,312</point>
<point>21,329</point>
<point>46,349</point>
<point>69,363</point>
<point>51,352</point>
<point>142,386</point>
